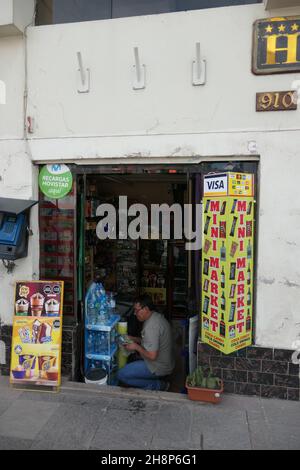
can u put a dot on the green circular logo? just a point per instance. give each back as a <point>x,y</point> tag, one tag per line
<point>55,181</point>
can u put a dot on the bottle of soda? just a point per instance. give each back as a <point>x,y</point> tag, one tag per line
<point>223,278</point>
<point>249,275</point>
<point>249,250</point>
<point>223,301</point>
<point>223,252</point>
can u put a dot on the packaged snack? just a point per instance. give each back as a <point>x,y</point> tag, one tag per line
<point>45,363</point>
<point>27,361</point>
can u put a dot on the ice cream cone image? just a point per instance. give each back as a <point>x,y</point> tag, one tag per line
<point>22,306</point>
<point>52,308</point>
<point>35,331</point>
<point>37,304</point>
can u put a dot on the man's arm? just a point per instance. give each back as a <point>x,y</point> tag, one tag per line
<point>150,355</point>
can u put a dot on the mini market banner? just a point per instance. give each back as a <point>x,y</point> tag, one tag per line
<point>227,261</point>
<point>55,181</point>
<point>37,333</point>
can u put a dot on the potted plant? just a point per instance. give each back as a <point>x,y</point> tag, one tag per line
<point>202,386</point>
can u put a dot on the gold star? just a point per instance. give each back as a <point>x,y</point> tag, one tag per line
<point>269,29</point>
<point>295,27</point>
<point>281,28</point>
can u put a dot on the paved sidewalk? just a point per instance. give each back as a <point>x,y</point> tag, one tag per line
<point>89,417</point>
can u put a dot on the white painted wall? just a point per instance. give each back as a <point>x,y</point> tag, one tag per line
<point>15,15</point>
<point>18,176</point>
<point>6,12</point>
<point>23,13</point>
<point>169,104</point>
<point>173,121</point>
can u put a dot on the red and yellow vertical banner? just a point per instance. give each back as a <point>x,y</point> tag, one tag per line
<point>227,261</point>
<point>37,333</point>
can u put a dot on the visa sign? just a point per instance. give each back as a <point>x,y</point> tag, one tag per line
<point>215,185</point>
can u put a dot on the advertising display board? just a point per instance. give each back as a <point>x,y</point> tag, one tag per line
<point>37,333</point>
<point>227,261</point>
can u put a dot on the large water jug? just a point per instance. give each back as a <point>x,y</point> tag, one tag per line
<point>91,305</point>
<point>111,304</point>
<point>101,303</point>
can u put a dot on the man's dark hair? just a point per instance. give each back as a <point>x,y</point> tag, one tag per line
<point>145,300</point>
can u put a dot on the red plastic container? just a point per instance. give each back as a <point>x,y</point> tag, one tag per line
<point>205,394</point>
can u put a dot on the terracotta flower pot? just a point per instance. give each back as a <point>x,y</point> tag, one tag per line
<point>205,394</point>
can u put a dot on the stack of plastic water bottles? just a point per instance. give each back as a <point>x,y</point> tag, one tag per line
<point>96,305</point>
<point>99,307</point>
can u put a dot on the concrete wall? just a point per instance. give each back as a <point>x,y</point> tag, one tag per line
<point>169,104</point>
<point>170,120</point>
<point>17,175</point>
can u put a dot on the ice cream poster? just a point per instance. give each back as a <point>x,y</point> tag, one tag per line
<point>39,299</point>
<point>227,264</point>
<point>37,335</point>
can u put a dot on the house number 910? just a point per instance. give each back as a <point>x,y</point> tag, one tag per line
<point>276,101</point>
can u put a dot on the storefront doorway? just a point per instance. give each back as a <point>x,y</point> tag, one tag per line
<point>126,267</point>
<point>156,266</point>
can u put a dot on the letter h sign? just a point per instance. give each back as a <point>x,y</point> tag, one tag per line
<point>276,45</point>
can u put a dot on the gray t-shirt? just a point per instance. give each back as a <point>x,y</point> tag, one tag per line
<point>157,336</point>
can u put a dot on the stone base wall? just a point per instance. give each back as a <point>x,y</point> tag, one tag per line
<point>70,350</point>
<point>265,372</point>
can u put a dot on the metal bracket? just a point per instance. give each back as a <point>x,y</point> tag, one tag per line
<point>9,265</point>
<point>199,68</point>
<point>139,72</point>
<point>83,77</point>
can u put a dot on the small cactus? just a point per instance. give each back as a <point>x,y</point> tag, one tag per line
<point>199,379</point>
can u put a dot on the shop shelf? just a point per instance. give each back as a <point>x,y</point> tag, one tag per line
<point>108,326</point>
<point>103,357</point>
<point>154,266</point>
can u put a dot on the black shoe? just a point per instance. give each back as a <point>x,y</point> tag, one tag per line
<point>164,386</point>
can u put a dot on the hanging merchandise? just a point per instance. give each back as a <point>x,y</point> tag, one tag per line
<point>227,261</point>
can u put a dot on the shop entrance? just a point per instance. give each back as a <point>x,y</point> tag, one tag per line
<point>162,268</point>
<point>71,251</point>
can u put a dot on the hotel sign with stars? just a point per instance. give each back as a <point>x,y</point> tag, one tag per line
<point>276,45</point>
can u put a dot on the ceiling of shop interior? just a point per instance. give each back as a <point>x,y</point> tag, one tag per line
<point>147,189</point>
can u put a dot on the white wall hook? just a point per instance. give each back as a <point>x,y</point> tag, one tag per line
<point>199,68</point>
<point>83,79</point>
<point>139,72</point>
